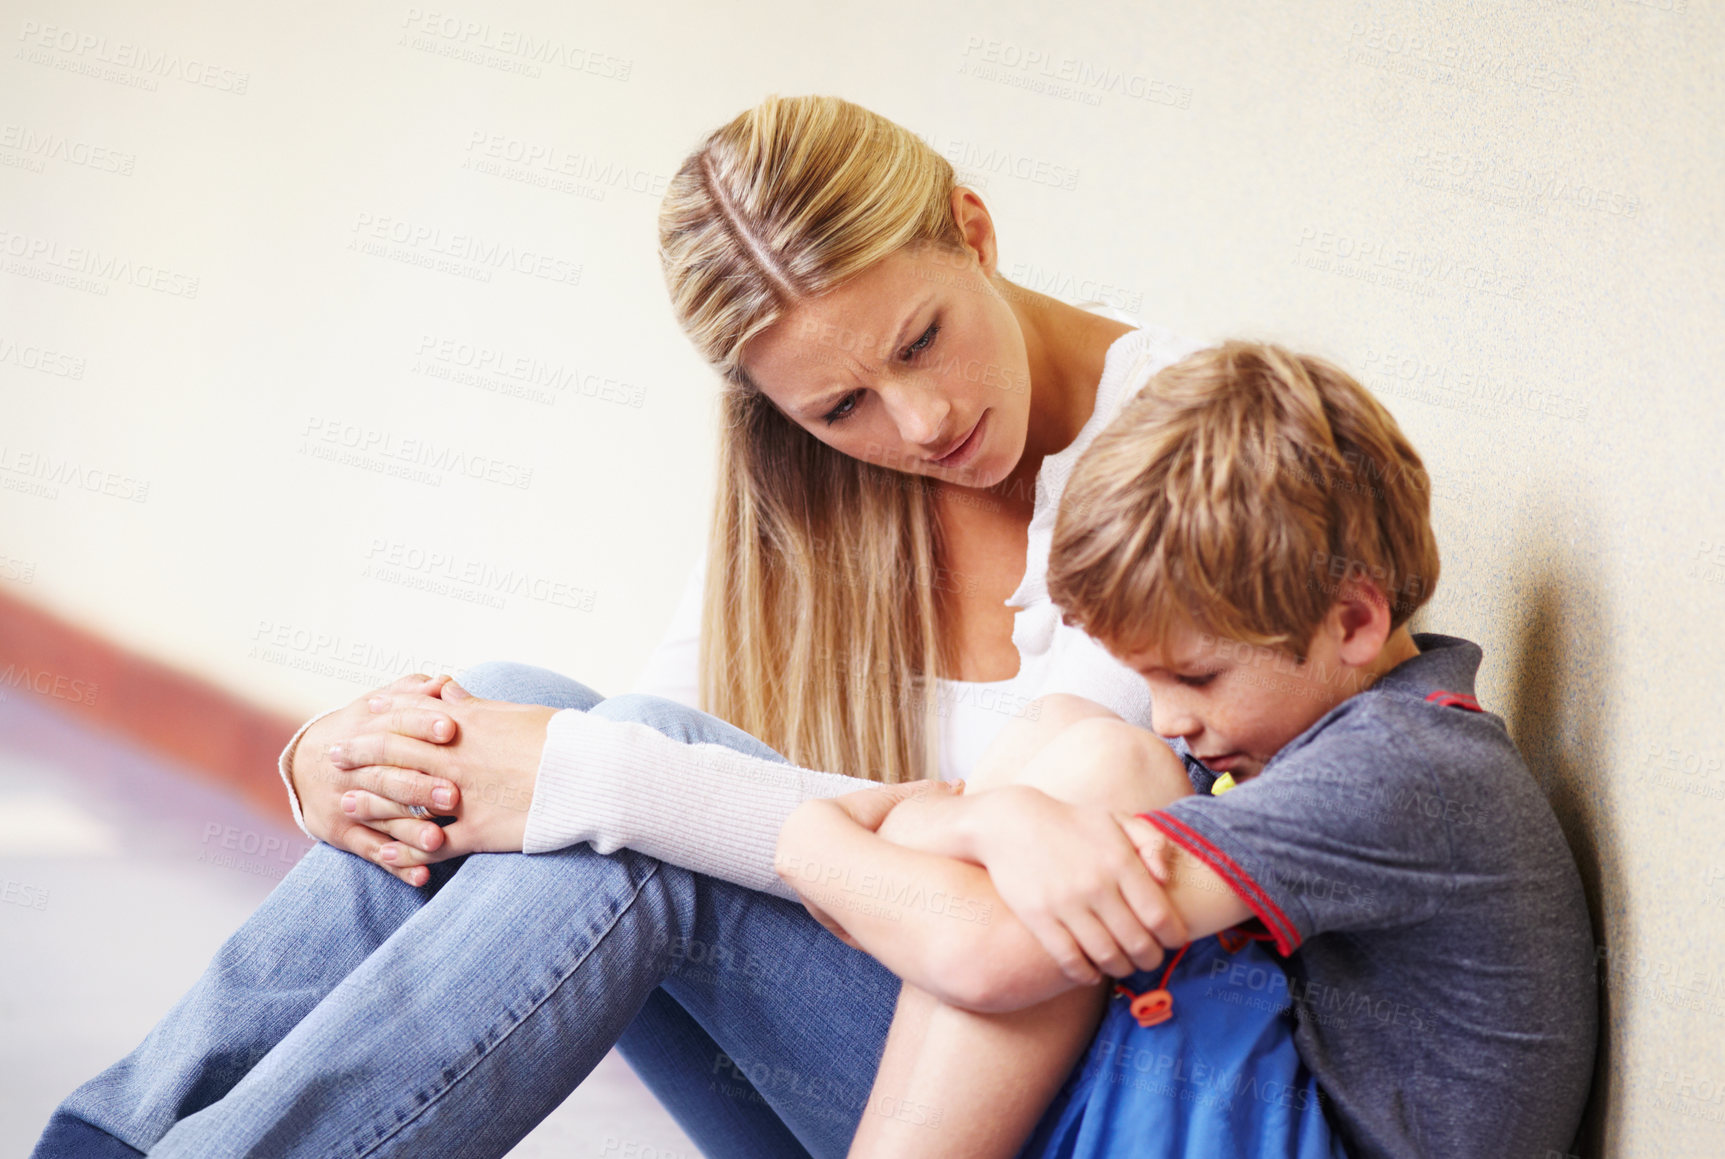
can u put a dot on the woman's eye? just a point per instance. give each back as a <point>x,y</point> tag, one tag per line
<point>844,408</point>
<point>1199,680</point>
<point>922,343</point>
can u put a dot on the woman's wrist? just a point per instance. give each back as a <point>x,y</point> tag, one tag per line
<point>800,835</point>
<point>287,763</point>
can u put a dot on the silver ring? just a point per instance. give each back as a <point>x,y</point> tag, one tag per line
<point>420,811</point>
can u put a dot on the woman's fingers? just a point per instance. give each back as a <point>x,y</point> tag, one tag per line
<point>392,819</point>
<point>367,807</point>
<point>414,714</point>
<point>420,836</point>
<point>386,748</point>
<point>405,786</point>
<point>368,844</point>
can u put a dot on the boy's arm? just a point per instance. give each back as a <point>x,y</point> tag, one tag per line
<point>930,913</point>
<point>1204,898</point>
<point>932,920</point>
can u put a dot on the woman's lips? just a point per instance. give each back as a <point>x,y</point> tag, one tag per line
<point>959,454</point>
<point>1221,763</point>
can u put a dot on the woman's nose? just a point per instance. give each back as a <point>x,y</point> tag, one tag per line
<point>920,414</point>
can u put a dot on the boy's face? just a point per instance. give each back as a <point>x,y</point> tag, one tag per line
<point>1238,704</point>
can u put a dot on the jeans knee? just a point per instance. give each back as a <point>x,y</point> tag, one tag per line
<point>680,722</point>
<point>525,684</point>
<point>667,716</point>
<point>487,677</point>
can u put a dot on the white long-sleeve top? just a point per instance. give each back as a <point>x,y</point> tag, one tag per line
<point>621,784</point>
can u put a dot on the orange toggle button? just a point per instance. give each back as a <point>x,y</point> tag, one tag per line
<point>1151,1007</point>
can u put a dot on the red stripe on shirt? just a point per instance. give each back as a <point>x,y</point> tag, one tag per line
<point>1455,700</point>
<point>1193,842</point>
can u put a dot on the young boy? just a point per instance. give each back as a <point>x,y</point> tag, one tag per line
<point>1251,534</point>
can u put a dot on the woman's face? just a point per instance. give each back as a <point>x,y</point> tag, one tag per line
<point>917,364</point>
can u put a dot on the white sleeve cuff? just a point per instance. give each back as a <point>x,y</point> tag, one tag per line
<point>706,807</point>
<point>284,766</point>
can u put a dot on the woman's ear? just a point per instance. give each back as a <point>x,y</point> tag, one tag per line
<point>976,227</point>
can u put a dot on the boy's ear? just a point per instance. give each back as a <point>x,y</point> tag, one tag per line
<point>1359,620</point>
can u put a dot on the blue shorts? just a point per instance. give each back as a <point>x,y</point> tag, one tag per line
<point>1219,1077</point>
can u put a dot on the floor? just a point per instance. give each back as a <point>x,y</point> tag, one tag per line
<point>119,877</point>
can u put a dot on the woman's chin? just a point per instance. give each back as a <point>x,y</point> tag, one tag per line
<point>978,476</point>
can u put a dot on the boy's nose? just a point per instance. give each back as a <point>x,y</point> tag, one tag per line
<point>1173,723</point>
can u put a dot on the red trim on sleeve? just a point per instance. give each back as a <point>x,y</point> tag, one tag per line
<point>1455,700</point>
<point>1286,935</point>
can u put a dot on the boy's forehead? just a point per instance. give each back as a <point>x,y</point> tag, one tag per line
<point>1180,646</point>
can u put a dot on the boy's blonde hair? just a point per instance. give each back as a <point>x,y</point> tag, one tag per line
<point>1236,492</point>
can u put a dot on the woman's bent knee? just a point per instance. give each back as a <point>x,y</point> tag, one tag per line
<point>525,684</point>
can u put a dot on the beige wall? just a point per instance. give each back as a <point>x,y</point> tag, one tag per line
<point>1505,217</point>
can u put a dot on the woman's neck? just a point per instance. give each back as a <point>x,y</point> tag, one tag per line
<point>1067,348</point>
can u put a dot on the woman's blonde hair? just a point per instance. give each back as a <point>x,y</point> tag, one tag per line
<point>1236,492</point>
<point>818,626</point>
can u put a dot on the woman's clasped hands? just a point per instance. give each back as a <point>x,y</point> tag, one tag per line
<point>421,741</point>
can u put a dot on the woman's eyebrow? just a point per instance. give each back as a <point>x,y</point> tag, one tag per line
<point>825,405</point>
<point>904,327</point>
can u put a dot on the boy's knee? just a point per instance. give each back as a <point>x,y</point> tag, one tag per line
<point>1042,720</point>
<point>1058,711</point>
<point>1106,761</point>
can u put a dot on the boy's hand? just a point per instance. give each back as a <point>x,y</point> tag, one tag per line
<point>1206,903</point>
<point>1151,845</point>
<point>1077,881</point>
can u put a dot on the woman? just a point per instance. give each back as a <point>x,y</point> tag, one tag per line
<point>898,421</point>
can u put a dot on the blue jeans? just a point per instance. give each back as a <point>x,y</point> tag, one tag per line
<point>355,1015</point>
